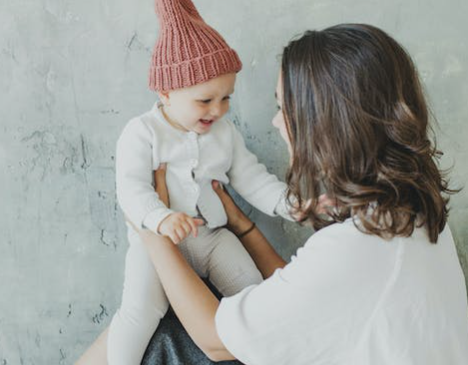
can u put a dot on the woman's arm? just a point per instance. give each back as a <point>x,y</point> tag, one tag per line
<point>258,247</point>
<point>192,301</point>
<point>264,255</point>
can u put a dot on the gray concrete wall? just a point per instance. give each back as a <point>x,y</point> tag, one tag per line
<point>73,72</point>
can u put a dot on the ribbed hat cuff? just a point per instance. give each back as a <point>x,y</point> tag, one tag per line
<point>194,71</point>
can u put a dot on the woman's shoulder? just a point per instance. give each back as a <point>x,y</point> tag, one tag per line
<point>350,239</point>
<point>338,232</point>
<point>346,241</point>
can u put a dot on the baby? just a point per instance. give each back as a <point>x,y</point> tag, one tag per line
<point>194,71</point>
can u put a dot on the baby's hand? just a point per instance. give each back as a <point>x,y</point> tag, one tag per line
<point>177,226</point>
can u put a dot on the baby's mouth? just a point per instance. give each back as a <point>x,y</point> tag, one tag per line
<point>206,122</point>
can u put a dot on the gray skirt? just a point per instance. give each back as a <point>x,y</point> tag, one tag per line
<point>171,345</point>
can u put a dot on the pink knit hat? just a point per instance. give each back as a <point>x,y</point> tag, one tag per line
<point>188,51</point>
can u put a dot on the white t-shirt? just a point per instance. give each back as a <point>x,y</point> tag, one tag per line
<point>352,298</point>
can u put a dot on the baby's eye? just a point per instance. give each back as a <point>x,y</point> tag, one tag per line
<point>205,101</point>
<point>227,98</point>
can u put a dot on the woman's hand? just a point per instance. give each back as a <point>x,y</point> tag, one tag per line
<point>181,284</point>
<point>160,184</point>
<point>324,206</point>
<point>238,222</point>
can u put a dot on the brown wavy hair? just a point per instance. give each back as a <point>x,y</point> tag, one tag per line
<point>359,129</point>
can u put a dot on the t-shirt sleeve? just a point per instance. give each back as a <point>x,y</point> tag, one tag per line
<point>249,323</point>
<point>306,305</point>
<point>245,325</point>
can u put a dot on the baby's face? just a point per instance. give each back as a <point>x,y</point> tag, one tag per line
<point>198,107</point>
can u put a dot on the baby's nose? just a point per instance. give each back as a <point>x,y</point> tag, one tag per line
<point>216,111</point>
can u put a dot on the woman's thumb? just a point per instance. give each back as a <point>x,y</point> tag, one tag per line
<point>218,186</point>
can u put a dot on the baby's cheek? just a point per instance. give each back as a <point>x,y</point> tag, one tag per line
<point>225,109</point>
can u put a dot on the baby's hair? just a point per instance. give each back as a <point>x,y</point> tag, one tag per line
<point>359,129</point>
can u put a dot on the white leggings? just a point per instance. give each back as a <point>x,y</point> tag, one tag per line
<point>215,254</point>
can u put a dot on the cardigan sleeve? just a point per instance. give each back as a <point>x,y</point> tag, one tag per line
<point>134,177</point>
<point>254,183</point>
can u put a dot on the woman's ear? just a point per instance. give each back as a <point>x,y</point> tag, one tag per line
<point>164,97</point>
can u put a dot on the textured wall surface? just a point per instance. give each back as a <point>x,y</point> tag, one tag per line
<point>73,72</point>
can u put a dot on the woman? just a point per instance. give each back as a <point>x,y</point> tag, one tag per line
<point>380,282</point>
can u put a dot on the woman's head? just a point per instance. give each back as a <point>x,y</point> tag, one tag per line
<point>357,123</point>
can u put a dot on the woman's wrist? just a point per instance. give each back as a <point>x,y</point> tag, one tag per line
<point>247,231</point>
<point>240,226</point>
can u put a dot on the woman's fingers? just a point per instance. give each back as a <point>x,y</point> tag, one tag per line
<point>324,199</point>
<point>325,203</point>
<point>219,189</point>
<point>235,215</point>
<point>160,184</point>
<point>223,194</point>
<point>160,175</point>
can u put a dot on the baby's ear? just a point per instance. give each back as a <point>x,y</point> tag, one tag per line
<point>164,97</point>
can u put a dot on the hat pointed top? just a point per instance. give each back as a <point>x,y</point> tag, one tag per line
<point>169,10</point>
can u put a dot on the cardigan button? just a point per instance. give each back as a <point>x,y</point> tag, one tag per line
<point>194,162</point>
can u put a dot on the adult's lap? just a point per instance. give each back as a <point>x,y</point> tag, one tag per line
<point>171,345</point>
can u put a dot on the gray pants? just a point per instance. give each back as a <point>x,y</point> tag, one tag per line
<point>215,254</point>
